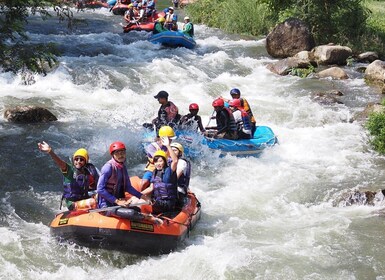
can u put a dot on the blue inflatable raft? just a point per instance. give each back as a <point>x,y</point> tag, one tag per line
<point>173,39</point>
<point>195,144</point>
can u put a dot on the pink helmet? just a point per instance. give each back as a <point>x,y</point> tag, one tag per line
<point>218,102</point>
<point>117,146</point>
<point>235,103</point>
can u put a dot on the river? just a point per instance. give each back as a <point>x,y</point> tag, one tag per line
<point>272,217</point>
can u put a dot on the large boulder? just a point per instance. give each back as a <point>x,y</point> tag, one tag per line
<point>375,71</point>
<point>335,73</point>
<point>28,114</point>
<point>284,66</point>
<point>331,54</point>
<point>289,38</point>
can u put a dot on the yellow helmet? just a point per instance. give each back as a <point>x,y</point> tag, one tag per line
<point>81,153</point>
<point>161,19</point>
<point>178,146</point>
<point>130,5</point>
<point>160,153</point>
<point>166,131</point>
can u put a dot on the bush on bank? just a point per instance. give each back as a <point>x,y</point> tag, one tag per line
<point>347,22</point>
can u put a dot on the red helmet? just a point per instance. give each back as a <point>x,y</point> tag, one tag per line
<point>235,103</point>
<point>193,106</point>
<point>117,146</point>
<point>218,102</point>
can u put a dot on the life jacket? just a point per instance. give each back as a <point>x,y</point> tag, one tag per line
<point>245,105</point>
<point>78,187</point>
<point>112,185</point>
<point>168,115</point>
<point>245,120</point>
<point>165,184</point>
<point>191,32</point>
<point>184,179</point>
<point>232,124</point>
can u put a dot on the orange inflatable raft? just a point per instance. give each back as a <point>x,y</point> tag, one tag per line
<point>94,229</point>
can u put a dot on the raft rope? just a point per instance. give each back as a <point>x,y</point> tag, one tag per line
<point>188,225</point>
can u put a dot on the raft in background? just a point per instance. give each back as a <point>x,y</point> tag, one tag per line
<point>173,39</point>
<point>93,229</point>
<point>193,142</point>
<point>147,25</point>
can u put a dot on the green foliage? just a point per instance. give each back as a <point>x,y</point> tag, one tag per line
<point>245,17</point>
<point>302,72</point>
<point>16,53</point>
<point>376,127</point>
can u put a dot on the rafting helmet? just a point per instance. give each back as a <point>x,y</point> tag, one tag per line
<point>166,131</point>
<point>235,91</point>
<point>117,146</point>
<point>161,19</point>
<point>160,153</point>
<point>218,102</point>
<point>81,153</point>
<point>130,5</point>
<point>235,103</point>
<point>177,146</point>
<point>193,106</point>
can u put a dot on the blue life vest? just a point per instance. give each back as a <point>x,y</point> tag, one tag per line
<point>77,188</point>
<point>113,186</point>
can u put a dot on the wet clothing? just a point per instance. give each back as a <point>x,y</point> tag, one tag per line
<point>245,105</point>
<point>113,183</point>
<point>242,120</point>
<point>188,29</point>
<point>158,28</point>
<point>165,190</point>
<point>226,124</point>
<point>192,122</point>
<point>168,114</point>
<point>184,178</point>
<point>77,183</point>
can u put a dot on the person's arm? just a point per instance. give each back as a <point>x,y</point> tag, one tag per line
<point>44,147</point>
<point>174,158</point>
<point>200,125</point>
<point>106,173</point>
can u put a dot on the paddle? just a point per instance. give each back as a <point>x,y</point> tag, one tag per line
<point>98,210</point>
<point>117,206</point>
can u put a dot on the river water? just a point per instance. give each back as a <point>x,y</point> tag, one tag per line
<point>271,217</point>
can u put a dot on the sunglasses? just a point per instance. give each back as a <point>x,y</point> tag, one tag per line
<point>79,159</point>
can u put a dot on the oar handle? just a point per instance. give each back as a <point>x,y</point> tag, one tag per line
<point>118,206</point>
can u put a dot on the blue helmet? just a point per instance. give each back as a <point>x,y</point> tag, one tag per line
<point>235,91</point>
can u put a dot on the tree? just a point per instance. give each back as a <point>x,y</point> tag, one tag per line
<point>16,52</point>
<point>337,21</point>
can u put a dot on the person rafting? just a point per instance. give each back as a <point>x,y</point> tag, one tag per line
<point>114,186</point>
<point>188,27</point>
<point>171,20</point>
<point>164,131</point>
<point>168,113</point>
<point>130,16</point>
<point>159,26</point>
<point>241,118</point>
<point>164,181</point>
<point>79,178</point>
<point>192,120</point>
<point>226,127</point>
<point>183,172</point>
<point>236,94</point>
